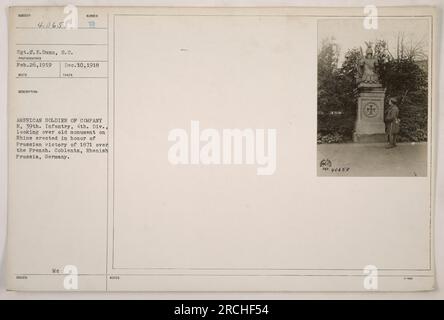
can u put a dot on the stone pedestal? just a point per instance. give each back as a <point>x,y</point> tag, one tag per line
<point>369,126</point>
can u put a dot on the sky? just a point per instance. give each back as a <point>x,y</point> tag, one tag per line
<point>349,33</point>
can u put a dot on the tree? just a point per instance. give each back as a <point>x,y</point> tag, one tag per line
<point>402,74</point>
<point>327,72</point>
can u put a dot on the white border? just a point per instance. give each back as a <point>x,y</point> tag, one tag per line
<point>439,204</point>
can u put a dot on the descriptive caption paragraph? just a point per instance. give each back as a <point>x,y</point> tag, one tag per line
<point>60,138</point>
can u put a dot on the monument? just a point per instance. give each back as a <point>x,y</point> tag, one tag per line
<point>369,126</point>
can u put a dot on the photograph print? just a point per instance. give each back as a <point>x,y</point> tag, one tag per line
<point>373,99</point>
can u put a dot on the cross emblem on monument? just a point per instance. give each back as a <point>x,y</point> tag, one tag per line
<point>371,110</point>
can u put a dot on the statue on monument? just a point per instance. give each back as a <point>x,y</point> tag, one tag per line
<point>366,68</point>
<point>369,126</point>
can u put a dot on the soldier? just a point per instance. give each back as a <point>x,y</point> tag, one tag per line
<point>392,122</point>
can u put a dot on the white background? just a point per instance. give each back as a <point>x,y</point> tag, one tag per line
<point>439,232</point>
